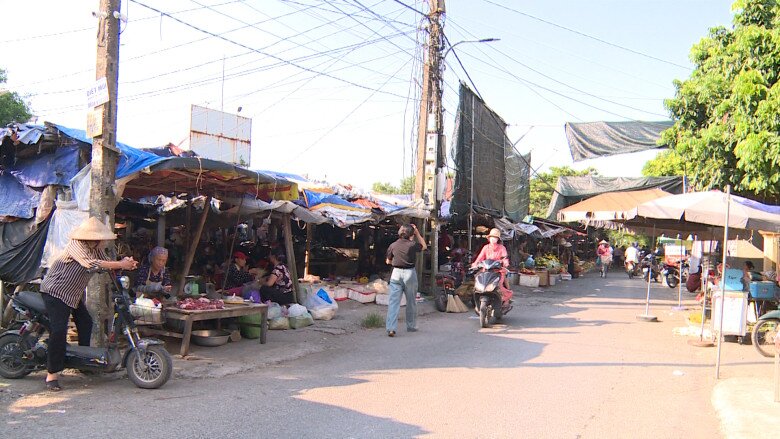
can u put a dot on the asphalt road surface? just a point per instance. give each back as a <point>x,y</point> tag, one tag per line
<point>569,362</point>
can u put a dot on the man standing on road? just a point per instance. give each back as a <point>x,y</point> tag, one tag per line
<point>402,255</point>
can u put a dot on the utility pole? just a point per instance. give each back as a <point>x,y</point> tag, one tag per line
<point>104,152</point>
<point>430,154</point>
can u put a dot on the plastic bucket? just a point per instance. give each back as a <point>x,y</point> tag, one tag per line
<point>250,325</point>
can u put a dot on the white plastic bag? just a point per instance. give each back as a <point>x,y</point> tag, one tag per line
<point>274,311</point>
<point>313,301</point>
<point>296,310</point>
<point>279,323</point>
<point>301,321</point>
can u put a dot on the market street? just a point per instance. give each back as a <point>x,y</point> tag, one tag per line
<point>571,361</point>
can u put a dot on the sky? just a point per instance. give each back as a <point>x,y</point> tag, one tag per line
<point>332,87</point>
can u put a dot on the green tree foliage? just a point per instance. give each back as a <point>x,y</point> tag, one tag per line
<point>12,106</point>
<point>405,187</point>
<point>542,186</point>
<point>666,163</point>
<point>727,114</point>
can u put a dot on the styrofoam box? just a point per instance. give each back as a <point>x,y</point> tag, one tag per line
<point>366,296</point>
<point>529,280</point>
<point>553,280</point>
<point>340,293</point>
<point>384,299</point>
<point>565,276</point>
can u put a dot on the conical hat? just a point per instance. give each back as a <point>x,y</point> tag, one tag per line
<point>92,230</point>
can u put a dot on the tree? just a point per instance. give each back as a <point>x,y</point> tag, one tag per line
<point>666,163</point>
<point>726,123</point>
<point>542,186</point>
<point>405,187</point>
<point>12,106</point>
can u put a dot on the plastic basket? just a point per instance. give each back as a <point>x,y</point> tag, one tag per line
<point>145,315</point>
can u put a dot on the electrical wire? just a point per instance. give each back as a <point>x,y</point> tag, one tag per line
<point>236,43</point>
<point>636,52</point>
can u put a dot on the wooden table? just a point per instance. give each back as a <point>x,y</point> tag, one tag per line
<point>189,316</point>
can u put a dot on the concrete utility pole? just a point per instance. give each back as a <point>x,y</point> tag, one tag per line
<point>430,155</point>
<point>104,152</point>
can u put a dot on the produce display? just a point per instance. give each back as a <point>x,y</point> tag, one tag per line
<point>200,304</point>
<point>548,261</point>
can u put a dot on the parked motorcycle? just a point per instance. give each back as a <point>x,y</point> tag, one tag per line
<point>765,332</point>
<point>487,292</point>
<point>650,269</point>
<point>672,274</point>
<point>22,351</point>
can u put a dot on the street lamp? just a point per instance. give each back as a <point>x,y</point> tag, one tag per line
<point>483,40</point>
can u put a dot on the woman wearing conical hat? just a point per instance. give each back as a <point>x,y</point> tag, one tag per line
<point>64,288</point>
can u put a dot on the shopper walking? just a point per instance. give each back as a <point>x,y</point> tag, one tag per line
<point>402,256</point>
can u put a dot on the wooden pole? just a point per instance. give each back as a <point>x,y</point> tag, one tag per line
<point>233,242</point>
<point>104,152</point>
<point>161,230</point>
<point>288,244</point>
<point>195,239</point>
<point>307,258</point>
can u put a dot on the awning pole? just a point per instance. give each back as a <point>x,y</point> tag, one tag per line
<point>646,317</point>
<point>194,240</point>
<point>723,279</point>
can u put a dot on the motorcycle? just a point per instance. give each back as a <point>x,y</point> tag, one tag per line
<point>22,351</point>
<point>672,274</point>
<point>650,268</point>
<point>488,303</point>
<point>632,269</point>
<point>765,332</point>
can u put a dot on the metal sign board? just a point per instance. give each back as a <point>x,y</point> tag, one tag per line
<point>221,136</point>
<point>95,123</point>
<point>97,94</point>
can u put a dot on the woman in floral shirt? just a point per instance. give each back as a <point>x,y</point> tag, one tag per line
<point>277,286</point>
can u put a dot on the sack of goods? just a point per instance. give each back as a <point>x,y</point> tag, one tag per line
<point>279,323</point>
<point>321,306</point>
<point>301,321</point>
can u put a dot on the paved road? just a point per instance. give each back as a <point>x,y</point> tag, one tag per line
<point>569,362</point>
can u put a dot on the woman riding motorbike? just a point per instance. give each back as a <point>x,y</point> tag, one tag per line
<point>496,251</point>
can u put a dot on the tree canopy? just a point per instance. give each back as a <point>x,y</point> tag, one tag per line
<point>666,163</point>
<point>542,185</point>
<point>12,106</point>
<point>405,187</point>
<point>727,113</point>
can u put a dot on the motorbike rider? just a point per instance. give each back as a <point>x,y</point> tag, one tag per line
<point>496,251</point>
<point>64,287</point>
<point>632,254</point>
<point>604,253</point>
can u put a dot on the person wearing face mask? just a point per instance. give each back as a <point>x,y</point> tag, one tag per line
<point>496,251</point>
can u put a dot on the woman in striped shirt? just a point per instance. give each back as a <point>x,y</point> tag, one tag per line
<point>64,286</point>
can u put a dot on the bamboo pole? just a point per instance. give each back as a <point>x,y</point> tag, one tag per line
<point>723,279</point>
<point>193,246</point>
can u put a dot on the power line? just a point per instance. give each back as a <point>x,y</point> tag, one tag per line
<point>410,8</point>
<point>252,49</point>
<point>636,52</point>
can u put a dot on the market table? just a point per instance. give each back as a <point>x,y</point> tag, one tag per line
<point>189,316</point>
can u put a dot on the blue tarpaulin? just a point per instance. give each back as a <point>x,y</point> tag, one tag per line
<point>313,199</point>
<point>17,199</point>
<point>131,160</point>
<point>53,168</point>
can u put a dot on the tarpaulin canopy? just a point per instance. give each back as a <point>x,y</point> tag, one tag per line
<point>570,190</point>
<point>21,248</point>
<point>131,160</point>
<point>710,208</point>
<point>600,139</point>
<point>16,199</point>
<point>57,168</point>
<point>195,175</point>
<point>609,206</point>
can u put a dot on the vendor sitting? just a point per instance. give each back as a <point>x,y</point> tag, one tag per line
<point>238,273</point>
<point>749,274</point>
<point>153,279</point>
<point>277,286</point>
